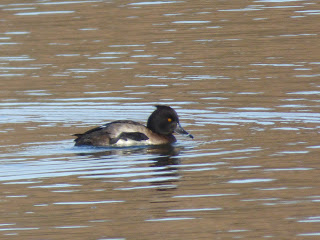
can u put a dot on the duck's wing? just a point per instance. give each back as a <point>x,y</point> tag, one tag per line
<point>130,136</point>
<point>94,137</point>
<point>111,133</point>
<point>126,132</point>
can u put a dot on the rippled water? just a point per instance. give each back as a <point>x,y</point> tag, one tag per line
<point>243,77</point>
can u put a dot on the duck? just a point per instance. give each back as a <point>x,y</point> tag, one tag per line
<point>161,125</point>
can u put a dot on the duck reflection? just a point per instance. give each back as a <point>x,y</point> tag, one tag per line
<point>167,150</point>
<point>130,163</point>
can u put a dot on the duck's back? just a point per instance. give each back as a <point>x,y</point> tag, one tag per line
<point>120,133</point>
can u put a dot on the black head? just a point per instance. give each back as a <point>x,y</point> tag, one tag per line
<point>164,120</point>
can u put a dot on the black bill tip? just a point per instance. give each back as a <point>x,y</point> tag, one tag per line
<point>180,130</point>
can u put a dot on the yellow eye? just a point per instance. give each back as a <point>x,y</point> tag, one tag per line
<point>169,119</point>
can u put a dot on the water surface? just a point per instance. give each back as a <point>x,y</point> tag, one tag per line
<point>243,77</point>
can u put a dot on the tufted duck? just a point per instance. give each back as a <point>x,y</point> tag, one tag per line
<point>160,127</point>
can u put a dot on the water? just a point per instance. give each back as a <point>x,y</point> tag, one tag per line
<point>243,77</point>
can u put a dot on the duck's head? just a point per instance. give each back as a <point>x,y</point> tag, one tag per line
<point>165,121</point>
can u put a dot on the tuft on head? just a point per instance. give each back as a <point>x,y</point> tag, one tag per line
<point>162,107</point>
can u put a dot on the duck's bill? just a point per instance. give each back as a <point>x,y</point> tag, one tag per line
<point>180,130</point>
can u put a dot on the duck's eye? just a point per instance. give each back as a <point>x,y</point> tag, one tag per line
<point>169,119</point>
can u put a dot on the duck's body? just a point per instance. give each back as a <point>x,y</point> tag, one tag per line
<point>122,133</point>
<point>161,124</point>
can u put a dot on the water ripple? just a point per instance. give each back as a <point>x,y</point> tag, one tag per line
<point>253,180</point>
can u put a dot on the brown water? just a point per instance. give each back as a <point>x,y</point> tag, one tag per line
<point>244,78</point>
